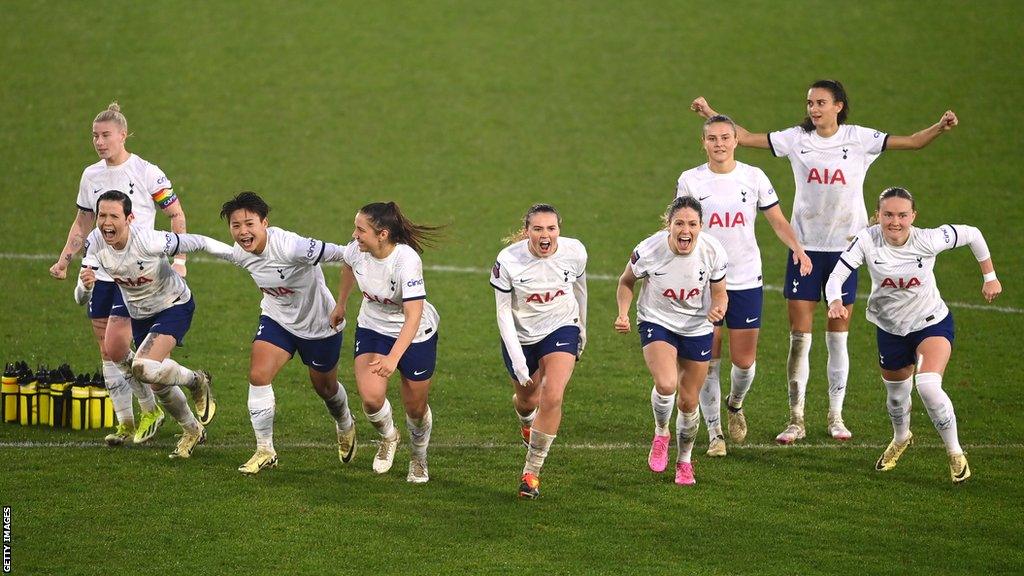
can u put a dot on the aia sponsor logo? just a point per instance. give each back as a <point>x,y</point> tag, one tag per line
<point>826,176</point>
<point>727,220</point>
<point>900,283</point>
<point>277,292</point>
<point>542,298</point>
<point>133,282</point>
<point>379,300</point>
<point>682,294</point>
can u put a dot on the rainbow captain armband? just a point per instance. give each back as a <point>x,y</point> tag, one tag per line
<point>164,197</point>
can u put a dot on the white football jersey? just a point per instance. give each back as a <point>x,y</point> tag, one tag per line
<point>829,175</point>
<point>144,183</point>
<point>141,270</point>
<point>542,288</point>
<point>730,203</point>
<point>288,273</point>
<point>385,285</point>
<point>904,294</point>
<point>676,291</point>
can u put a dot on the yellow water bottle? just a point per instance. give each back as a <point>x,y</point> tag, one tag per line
<point>28,396</point>
<point>59,386</point>
<point>97,395</point>
<point>9,392</point>
<point>43,395</point>
<point>80,403</point>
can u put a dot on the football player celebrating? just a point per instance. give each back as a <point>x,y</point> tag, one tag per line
<point>149,189</point>
<point>830,160</point>
<point>915,328</point>
<point>159,303</point>
<point>683,293</point>
<point>295,316</point>
<point>396,329</point>
<point>540,291</point>
<point>731,194</point>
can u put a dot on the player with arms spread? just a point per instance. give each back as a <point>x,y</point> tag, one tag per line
<point>295,316</point>
<point>915,327</point>
<point>830,160</point>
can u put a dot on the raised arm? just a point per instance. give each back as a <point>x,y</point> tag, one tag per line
<point>924,137</point>
<point>84,221</point>
<point>964,235</point>
<point>743,136</point>
<point>188,243</point>
<point>624,299</point>
<point>786,233</point>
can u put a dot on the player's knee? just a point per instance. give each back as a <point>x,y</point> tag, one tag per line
<point>259,378</point>
<point>147,370</point>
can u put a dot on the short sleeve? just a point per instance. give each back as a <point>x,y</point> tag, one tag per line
<point>719,264</point>
<point>83,201</point>
<point>306,250</point>
<point>581,259</point>
<point>410,274</point>
<point>638,263</point>
<point>160,187</point>
<point>853,256</point>
<point>781,143</point>
<point>681,187</point>
<point>872,140</point>
<point>766,196</point>
<point>350,254</point>
<point>945,237</point>
<point>500,278</point>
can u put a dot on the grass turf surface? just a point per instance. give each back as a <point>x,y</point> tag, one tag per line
<point>465,113</point>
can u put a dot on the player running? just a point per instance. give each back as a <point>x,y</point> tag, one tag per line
<point>159,303</point>
<point>731,194</point>
<point>149,188</point>
<point>915,328</point>
<point>683,292</point>
<point>396,328</point>
<point>830,160</point>
<point>295,316</point>
<point>540,291</point>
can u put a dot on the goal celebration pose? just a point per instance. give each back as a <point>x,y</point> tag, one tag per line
<point>159,303</point>
<point>149,189</point>
<point>915,328</point>
<point>683,292</point>
<point>830,160</point>
<point>396,329</point>
<point>295,316</point>
<point>731,194</point>
<point>540,292</point>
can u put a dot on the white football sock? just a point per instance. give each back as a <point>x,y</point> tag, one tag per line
<point>262,407</point>
<point>166,372</point>
<point>940,409</point>
<point>525,420</point>
<point>419,433</point>
<point>838,369</point>
<point>337,405</point>
<point>174,401</point>
<point>740,380</point>
<point>383,421</point>
<point>687,426</point>
<point>711,399</point>
<point>898,401</point>
<point>662,406</point>
<point>540,443</point>
<point>141,390</point>
<point>798,367</point>
<point>120,393</point>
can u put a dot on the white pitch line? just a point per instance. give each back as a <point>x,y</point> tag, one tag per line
<point>483,271</point>
<point>36,444</point>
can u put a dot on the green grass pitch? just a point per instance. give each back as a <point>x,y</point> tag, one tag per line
<point>466,113</point>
